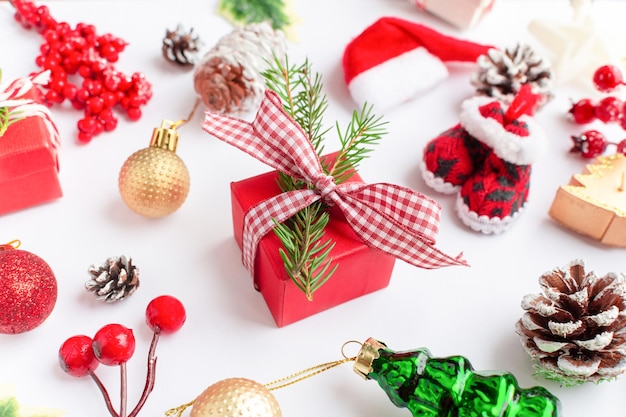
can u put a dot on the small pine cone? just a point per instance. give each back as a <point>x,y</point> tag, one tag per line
<point>501,74</point>
<point>180,47</point>
<point>229,77</point>
<point>114,280</point>
<point>576,330</point>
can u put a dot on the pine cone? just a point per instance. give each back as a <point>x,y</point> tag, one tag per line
<point>229,77</point>
<point>180,47</point>
<point>576,331</point>
<point>501,74</point>
<point>114,280</point>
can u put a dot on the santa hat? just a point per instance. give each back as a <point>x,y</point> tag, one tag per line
<point>394,60</point>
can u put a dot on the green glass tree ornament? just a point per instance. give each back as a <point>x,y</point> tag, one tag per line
<point>445,387</point>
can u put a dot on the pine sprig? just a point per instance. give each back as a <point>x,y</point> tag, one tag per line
<point>305,253</point>
<point>363,132</point>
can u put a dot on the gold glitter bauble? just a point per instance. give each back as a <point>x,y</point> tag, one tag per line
<point>236,397</point>
<point>154,181</point>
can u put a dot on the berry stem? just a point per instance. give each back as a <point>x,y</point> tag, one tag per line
<point>123,389</point>
<point>150,375</point>
<point>105,393</point>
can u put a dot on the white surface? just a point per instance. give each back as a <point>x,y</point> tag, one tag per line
<point>191,254</point>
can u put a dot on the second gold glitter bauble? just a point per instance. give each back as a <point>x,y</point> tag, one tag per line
<point>236,397</point>
<point>154,181</point>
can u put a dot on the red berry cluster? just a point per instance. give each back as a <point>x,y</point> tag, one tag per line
<point>610,109</point>
<point>114,344</point>
<point>82,53</point>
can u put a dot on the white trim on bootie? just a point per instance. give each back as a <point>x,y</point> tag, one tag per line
<point>485,224</point>
<point>512,148</point>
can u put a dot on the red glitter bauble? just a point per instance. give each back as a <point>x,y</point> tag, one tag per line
<point>28,291</point>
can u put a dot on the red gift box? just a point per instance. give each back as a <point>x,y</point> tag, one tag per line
<point>361,269</point>
<point>28,164</point>
<point>461,13</point>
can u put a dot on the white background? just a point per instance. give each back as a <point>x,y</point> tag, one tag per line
<point>192,255</point>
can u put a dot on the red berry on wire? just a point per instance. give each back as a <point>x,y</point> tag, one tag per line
<point>621,147</point>
<point>590,144</point>
<point>165,314</point>
<point>609,109</point>
<point>583,111</point>
<point>607,78</point>
<point>76,356</point>
<point>114,344</point>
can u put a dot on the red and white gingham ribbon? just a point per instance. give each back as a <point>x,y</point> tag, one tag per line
<point>394,219</point>
<point>19,107</point>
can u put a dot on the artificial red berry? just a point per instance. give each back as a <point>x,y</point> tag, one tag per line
<point>165,314</point>
<point>114,344</point>
<point>76,356</point>
<point>607,78</point>
<point>609,109</point>
<point>134,113</point>
<point>84,137</point>
<point>95,105</point>
<point>621,147</point>
<point>590,144</point>
<point>69,91</point>
<point>87,125</point>
<point>583,111</point>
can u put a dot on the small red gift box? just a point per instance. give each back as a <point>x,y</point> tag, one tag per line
<point>361,270</point>
<point>28,164</point>
<point>461,13</point>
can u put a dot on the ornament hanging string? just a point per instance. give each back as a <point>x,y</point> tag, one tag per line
<point>181,122</point>
<point>394,219</point>
<point>282,382</point>
<point>14,244</point>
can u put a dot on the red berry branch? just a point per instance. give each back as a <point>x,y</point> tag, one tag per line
<point>114,345</point>
<point>610,109</point>
<point>74,53</point>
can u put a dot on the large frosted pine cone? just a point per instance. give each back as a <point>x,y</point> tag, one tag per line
<point>229,77</point>
<point>501,74</point>
<point>576,330</point>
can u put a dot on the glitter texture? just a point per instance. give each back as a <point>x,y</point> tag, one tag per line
<point>28,291</point>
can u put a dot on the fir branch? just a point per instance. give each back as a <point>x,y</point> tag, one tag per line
<point>305,255</point>
<point>363,132</point>
<point>301,93</point>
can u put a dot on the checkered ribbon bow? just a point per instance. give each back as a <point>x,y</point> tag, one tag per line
<point>394,219</point>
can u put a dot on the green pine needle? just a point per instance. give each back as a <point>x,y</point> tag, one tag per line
<point>305,253</point>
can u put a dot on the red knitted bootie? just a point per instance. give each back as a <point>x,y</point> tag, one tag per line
<point>451,158</point>
<point>488,157</point>
<point>494,196</point>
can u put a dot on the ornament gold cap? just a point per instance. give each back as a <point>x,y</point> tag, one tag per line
<point>366,356</point>
<point>165,137</point>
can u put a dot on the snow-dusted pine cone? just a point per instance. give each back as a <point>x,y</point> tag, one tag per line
<point>181,47</point>
<point>229,77</point>
<point>501,74</point>
<point>576,330</point>
<point>114,280</point>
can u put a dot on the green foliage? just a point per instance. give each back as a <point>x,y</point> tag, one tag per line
<point>305,253</point>
<point>255,11</point>
<point>8,407</point>
<point>561,379</point>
